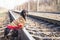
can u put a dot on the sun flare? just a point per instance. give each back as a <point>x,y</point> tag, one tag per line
<point>9,4</point>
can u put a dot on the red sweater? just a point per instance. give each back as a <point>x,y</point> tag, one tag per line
<point>19,26</point>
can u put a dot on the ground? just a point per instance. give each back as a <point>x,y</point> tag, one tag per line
<point>3,17</point>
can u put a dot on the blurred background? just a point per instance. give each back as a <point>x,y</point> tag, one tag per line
<point>40,5</point>
<point>34,5</point>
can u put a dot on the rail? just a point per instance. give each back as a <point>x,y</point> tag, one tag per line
<point>53,18</point>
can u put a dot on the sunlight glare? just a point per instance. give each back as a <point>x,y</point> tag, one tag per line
<point>10,4</point>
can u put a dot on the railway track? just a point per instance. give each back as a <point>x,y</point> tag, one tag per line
<point>39,29</point>
<point>42,30</point>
